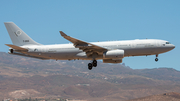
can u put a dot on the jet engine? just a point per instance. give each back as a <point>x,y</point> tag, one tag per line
<point>114,54</point>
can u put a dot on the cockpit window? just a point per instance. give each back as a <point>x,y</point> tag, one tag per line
<point>168,43</point>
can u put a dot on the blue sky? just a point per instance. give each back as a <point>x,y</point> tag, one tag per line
<point>98,20</point>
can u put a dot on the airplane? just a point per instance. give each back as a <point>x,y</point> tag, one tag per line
<point>108,51</point>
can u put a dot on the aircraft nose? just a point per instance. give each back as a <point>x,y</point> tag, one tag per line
<point>173,46</point>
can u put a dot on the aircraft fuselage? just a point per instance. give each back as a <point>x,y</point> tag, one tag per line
<point>130,47</point>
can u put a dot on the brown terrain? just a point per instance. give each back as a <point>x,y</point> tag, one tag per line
<point>22,77</point>
<point>172,96</point>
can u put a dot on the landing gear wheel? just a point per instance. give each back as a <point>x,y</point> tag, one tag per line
<point>156,59</point>
<point>90,66</point>
<point>94,63</point>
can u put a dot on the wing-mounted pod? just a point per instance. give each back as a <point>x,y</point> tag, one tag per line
<point>113,54</point>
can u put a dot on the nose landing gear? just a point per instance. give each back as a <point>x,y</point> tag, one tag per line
<point>156,59</point>
<point>93,64</point>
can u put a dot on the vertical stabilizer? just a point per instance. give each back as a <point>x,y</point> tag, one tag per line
<point>18,36</point>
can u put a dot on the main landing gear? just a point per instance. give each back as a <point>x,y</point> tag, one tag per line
<point>156,59</point>
<point>92,64</point>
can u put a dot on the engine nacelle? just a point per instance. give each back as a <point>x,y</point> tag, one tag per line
<point>114,54</point>
<point>112,61</point>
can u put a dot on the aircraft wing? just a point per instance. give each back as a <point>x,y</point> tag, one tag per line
<point>89,48</point>
<point>16,47</point>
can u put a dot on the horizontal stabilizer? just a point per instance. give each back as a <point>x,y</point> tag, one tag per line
<point>20,54</point>
<point>16,47</point>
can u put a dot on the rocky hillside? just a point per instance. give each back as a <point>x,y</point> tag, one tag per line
<point>22,77</point>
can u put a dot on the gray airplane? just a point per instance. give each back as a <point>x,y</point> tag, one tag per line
<point>109,51</point>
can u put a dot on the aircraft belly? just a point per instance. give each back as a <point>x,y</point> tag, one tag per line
<point>62,54</point>
<point>161,49</point>
<point>54,55</point>
<point>139,51</point>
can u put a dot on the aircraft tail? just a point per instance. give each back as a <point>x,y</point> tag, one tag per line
<point>18,36</point>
